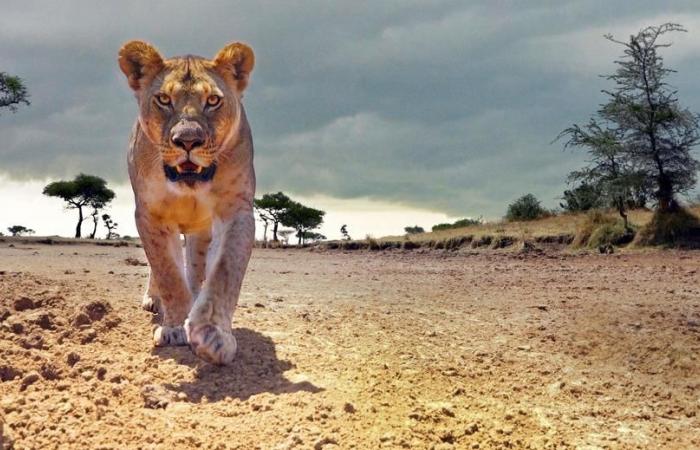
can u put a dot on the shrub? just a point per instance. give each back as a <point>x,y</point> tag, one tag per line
<point>414,230</point>
<point>526,207</point>
<point>461,223</point>
<point>599,229</point>
<point>610,234</point>
<point>372,243</point>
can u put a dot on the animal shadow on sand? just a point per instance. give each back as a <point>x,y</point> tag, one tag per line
<point>255,370</point>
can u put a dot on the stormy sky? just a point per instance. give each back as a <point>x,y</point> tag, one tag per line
<point>444,107</point>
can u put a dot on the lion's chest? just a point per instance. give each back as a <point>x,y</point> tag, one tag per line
<point>189,213</point>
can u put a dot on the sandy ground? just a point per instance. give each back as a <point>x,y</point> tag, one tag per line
<point>359,350</point>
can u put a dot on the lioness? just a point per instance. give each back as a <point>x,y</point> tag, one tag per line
<point>191,168</point>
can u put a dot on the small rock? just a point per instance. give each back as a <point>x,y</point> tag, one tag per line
<point>24,303</point>
<point>9,373</point>
<point>155,396</point>
<point>88,336</point>
<point>323,442</point>
<point>87,375</point>
<point>349,408</point>
<point>33,341</point>
<point>81,319</point>
<point>96,310</point>
<point>386,437</point>
<point>101,372</point>
<point>72,358</point>
<point>50,371</point>
<point>43,320</point>
<point>4,314</point>
<point>17,327</point>
<point>471,429</point>
<point>29,379</point>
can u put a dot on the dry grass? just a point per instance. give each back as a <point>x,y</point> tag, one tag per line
<point>564,224</point>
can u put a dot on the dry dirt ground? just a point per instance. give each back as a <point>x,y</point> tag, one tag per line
<point>359,350</point>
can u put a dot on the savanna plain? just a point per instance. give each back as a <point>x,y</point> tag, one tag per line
<point>418,349</point>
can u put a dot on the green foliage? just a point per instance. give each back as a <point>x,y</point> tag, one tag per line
<point>12,92</point>
<point>83,190</point>
<point>583,197</point>
<point>302,219</point>
<point>414,230</point>
<point>462,223</point>
<point>312,236</point>
<point>19,230</point>
<point>526,207</point>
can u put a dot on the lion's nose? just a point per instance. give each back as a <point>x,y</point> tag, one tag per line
<point>187,136</point>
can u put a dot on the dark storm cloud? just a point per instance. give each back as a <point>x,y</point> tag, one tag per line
<point>434,104</point>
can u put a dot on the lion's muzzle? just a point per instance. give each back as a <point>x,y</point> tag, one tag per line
<point>188,135</point>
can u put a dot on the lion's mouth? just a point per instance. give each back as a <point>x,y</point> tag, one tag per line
<point>189,172</point>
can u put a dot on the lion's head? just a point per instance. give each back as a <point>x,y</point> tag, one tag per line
<point>190,107</point>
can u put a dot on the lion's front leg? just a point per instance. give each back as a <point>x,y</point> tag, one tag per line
<point>151,298</point>
<point>208,325</point>
<point>164,252</point>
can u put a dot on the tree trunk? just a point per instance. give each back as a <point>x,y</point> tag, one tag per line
<point>80,222</point>
<point>665,194</point>
<point>274,231</point>
<point>95,220</point>
<point>265,233</point>
<point>299,234</point>
<point>623,214</point>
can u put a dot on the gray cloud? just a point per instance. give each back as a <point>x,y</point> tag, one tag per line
<point>434,104</point>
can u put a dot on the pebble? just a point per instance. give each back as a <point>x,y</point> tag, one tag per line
<point>24,303</point>
<point>72,358</point>
<point>29,379</point>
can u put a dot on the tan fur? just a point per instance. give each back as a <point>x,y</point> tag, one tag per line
<point>197,297</point>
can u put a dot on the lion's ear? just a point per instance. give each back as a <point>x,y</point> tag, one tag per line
<point>140,62</point>
<point>236,61</point>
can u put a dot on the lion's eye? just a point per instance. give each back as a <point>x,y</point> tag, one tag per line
<point>163,99</point>
<point>213,100</point>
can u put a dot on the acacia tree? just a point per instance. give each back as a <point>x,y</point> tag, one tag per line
<point>303,219</point>
<point>111,225</point>
<point>609,167</point>
<point>13,92</point>
<point>84,190</point>
<point>98,202</point>
<point>344,232</point>
<point>19,230</point>
<point>271,208</point>
<point>656,133</point>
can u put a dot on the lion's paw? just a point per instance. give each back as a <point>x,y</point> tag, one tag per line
<point>151,303</point>
<point>165,336</point>
<point>211,343</point>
